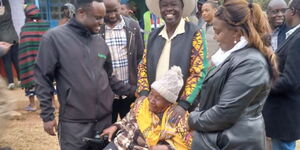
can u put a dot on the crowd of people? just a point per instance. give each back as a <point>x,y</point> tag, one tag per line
<point>226,81</point>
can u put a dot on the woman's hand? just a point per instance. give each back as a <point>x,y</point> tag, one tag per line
<point>109,131</point>
<point>177,113</point>
<point>5,46</point>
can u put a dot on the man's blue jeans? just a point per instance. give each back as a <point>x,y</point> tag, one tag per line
<point>283,145</point>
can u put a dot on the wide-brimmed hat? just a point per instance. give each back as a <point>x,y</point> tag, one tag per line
<point>189,5</point>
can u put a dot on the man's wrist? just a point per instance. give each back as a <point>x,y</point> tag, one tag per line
<point>50,118</point>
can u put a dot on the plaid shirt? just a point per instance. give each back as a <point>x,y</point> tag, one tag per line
<point>116,41</point>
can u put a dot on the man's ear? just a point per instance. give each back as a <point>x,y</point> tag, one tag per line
<point>80,12</point>
<point>294,11</point>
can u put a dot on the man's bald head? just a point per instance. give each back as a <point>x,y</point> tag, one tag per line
<point>276,10</point>
<point>276,3</point>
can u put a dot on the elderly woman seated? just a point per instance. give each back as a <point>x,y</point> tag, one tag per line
<point>146,126</point>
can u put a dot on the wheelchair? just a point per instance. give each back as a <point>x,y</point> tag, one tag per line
<point>96,143</point>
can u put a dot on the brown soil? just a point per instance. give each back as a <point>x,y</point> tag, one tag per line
<point>25,133</point>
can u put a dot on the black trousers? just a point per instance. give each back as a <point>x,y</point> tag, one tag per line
<point>121,107</point>
<point>70,134</point>
<point>11,58</point>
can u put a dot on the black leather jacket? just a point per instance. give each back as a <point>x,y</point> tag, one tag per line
<point>232,97</point>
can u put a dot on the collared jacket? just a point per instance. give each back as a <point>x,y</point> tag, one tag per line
<point>281,34</point>
<point>281,111</point>
<point>80,63</point>
<point>233,94</point>
<point>188,51</point>
<point>135,49</point>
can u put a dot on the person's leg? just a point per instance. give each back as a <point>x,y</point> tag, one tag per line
<point>283,145</point>
<point>31,101</point>
<point>124,106</point>
<point>30,93</point>
<point>115,110</point>
<point>71,135</point>
<point>15,59</point>
<point>7,67</point>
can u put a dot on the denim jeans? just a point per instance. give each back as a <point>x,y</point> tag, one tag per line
<point>283,145</point>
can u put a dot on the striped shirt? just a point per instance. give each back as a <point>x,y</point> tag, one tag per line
<point>116,41</point>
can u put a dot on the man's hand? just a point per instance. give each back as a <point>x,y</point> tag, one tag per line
<point>159,147</point>
<point>109,131</point>
<point>177,113</point>
<point>50,126</point>
<point>6,46</point>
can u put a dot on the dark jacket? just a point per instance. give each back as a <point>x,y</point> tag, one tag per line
<point>7,29</point>
<point>135,49</point>
<point>80,63</point>
<point>281,34</point>
<point>188,51</point>
<point>229,115</point>
<point>282,109</point>
<point>156,44</point>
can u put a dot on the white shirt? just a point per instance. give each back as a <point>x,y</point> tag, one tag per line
<point>274,41</point>
<point>164,60</point>
<point>292,31</point>
<point>220,56</point>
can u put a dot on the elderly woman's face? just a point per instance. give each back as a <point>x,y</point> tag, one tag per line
<point>171,11</point>
<point>223,34</point>
<point>158,104</point>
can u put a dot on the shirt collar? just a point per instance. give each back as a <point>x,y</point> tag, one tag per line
<point>179,30</point>
<point>119,26</point>
<point>276,31</point>
<point>79,28</point>
<point>292,31</point>
<point>220,56</point>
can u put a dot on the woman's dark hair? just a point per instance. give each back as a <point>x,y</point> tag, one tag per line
<point>249,19</point>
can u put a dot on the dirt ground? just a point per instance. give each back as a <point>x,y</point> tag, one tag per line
<point>26,132</point>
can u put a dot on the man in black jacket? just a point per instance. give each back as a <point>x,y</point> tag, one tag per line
<point>281,111</point>
<point>80,63</point>
<point>123,37</point>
